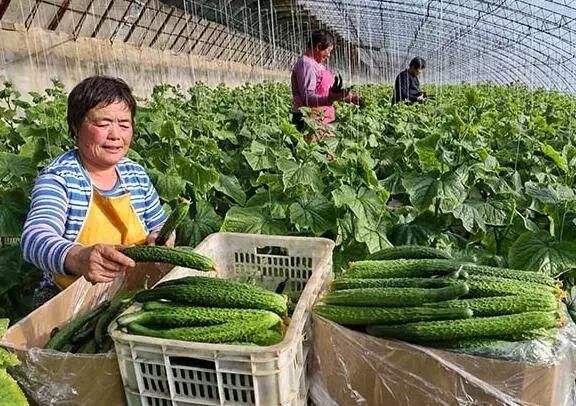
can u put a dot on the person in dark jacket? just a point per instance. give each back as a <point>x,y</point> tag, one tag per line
<point>407,85</point>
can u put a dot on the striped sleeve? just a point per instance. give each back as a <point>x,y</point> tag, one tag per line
<point>42,241</point>
<point>154,215</point>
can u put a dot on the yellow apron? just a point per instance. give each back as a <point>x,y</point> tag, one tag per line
<point>110,220</point>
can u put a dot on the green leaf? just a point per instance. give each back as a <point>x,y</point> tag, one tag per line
<point>422,190</point>
<point>230,186</point>
<point>366,204</point>
<point>550,194</point>
<point>367,172</point>
<point>496,212</point>
<point>540,252</point>
<point>201,177</point>
<point>470,214</point>
<point>278,210</point>
<point>315,214</point>
<point>255,220</point>
<point>373,233</point>
<point>13,206</point>
<point>259,156</point>
<point>345,228</point>
<point>555,156</point>
<point>295,174</point>
<point>452,190</point>
<point>168,131</point>
<point>205,222</point>
<point>426,148</point>
<point>169,185</point>
<point>16,165</point>
<point>411,234</point>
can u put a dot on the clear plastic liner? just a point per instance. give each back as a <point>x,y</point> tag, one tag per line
<point>57,378</point>
<point>352,368</point>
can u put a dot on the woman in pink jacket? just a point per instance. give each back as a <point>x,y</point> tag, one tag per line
<point>312,82</point>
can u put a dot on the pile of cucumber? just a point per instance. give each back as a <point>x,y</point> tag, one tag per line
<point>421,295</point>
<point>209,310</point>
<point>88,333</point>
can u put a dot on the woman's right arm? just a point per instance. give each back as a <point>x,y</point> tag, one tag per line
<point>42,241</point>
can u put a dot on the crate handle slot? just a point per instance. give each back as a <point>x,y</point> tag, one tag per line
<point>192,362</point>
<point>272,250</point>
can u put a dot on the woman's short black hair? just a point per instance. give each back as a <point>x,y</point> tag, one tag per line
<point>96,91</point>
<point>417,63</point>
<point>321,38</point>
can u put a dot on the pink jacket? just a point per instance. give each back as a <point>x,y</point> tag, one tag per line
<point>311,83</point>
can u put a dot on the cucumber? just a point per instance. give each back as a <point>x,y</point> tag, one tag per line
<point>473,328</point>
<point>355,283</point>
<point>235,331</point>
<point>174,256</point>
<point>486,286</point>
<point>365,316</point>
<point>417,268</point>
<point>176,217</point>
<point>63,336</point>
<point>217,292</point>
<point>182,316</point>
<point>395,297</point>
<point>409,252</point>
<point>501,305</point>
<point>120,303</point>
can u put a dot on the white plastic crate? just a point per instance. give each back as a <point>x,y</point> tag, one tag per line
<point>168,372</point>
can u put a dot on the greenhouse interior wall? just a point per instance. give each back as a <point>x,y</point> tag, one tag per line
<point>33,58</point>
<point>146,43</point>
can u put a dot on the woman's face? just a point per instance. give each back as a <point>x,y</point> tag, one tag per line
<point>322,55</point>
<point>105,134</point>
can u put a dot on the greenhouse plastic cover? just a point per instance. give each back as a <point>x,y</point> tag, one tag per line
<point>353,368</point>
<point>53,377</point>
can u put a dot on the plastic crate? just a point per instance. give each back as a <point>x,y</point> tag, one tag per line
<point>169,372</point>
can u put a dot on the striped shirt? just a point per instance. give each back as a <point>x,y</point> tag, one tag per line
<point>59,206</point>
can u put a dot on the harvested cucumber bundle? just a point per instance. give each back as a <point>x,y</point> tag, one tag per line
<point>205,324</point>
<point>501,305</point>
<point>216,292</point>
<point>395,297</point>
<point>418,268</point>
<point>486,286</point>
<point>65,335</point>
<point>231,331</point>
<point>366,316</point>
<point>176,217</point>
<point>185,316</point>
<point>356,283</point>
<point>482,327</point>
<point>409,252</point>
<point>402,268</point>
<point>175,256</point>
<point>506,273</point>
<point>88,333</point>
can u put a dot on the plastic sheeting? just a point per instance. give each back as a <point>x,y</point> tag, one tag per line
<point>353,368</point>
<point>52,377</point>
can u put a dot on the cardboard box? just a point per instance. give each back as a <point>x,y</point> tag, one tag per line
<point>353,368</point>
<point>56,378</point>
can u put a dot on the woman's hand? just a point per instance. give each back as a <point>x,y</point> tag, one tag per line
<point>151,240</point>
<point>99,263</point>
<point>353,98</point>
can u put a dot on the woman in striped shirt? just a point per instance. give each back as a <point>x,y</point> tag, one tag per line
<point>91,200</point>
